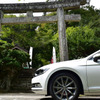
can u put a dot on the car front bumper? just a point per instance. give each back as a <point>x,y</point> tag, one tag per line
<point>39,85</point>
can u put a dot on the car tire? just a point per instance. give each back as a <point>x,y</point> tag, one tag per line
<point>64,86</point>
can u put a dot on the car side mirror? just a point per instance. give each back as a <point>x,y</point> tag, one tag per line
<point>96,58</point>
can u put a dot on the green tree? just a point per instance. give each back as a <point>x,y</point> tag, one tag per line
<point>24,35</point>
<point>44,42</point>
<point>81,41</point>
<point>10,62</point>
<point>88,14</point>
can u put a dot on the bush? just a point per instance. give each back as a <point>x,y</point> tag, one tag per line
<point>10,62</point>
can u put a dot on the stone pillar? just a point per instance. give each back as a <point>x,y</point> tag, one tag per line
<point>62,35</point>
<point>29,13</point>
<point>1,16</point>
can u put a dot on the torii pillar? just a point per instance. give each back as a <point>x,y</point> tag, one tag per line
<point>1,16</point>
<point>62,35</point>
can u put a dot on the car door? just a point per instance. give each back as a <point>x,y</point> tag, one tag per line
<point>93,74</point>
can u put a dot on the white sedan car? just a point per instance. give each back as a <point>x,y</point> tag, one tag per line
<point>66,80</point>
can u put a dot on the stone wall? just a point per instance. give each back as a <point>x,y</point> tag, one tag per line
<point>20,83</point>
<point>23,81</point>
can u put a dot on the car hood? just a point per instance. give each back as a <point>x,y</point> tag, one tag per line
<point>70,63</point>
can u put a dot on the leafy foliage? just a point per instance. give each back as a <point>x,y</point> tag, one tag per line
<point>10,62</point>
<point>81,41</point>
<point>88,14</point>
<point>10,58</point>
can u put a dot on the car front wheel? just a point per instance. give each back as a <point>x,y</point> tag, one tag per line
<point>64,86</point>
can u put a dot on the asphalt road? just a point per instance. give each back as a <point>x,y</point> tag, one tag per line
<point>32,96</point>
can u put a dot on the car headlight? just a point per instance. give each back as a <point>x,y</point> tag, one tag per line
<point>41,71</point>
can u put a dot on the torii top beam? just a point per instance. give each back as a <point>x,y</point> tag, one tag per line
<point>41,6</point>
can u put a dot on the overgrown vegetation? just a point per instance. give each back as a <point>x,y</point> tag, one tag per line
<point>10,63</point>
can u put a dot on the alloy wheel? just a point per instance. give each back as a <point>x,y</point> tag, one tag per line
<point>64,88</point>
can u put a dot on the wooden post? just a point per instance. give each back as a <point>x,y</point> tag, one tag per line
<point>62,35</point>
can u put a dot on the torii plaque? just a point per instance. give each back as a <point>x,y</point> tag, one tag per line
<point>58,6</point>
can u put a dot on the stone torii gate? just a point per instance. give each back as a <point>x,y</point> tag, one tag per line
<point>58,6</point>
